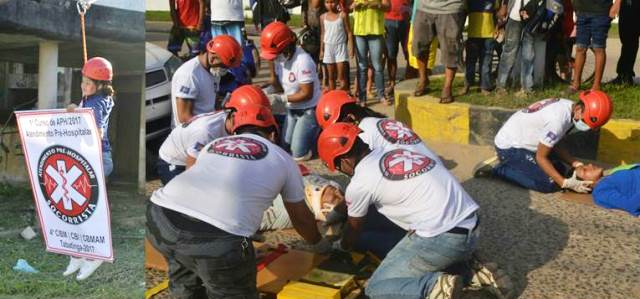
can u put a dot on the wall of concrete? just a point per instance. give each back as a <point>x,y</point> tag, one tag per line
<point>617,142</point>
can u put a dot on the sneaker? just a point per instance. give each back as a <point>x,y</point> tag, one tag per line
<point>88,267</point>
<point>621,80</point>
<point>485,168</point>
<point>74,265</point>
<point>487,276</point>
<point>447,287</point>
<point>305,157</point>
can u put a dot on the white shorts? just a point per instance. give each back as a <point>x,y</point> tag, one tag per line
<point>334,53</point>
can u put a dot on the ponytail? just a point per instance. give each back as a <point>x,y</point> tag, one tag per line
<point>106,88</point>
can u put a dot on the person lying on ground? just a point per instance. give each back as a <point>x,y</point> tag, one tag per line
<point>620,189</point>
<point>528,145</point>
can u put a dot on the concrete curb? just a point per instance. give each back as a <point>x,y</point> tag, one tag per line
<point>617,142</point>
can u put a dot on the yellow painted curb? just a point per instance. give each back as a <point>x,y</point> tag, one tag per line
<point>432,120</point>
<point>619,142</point>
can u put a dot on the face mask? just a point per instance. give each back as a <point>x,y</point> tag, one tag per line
<point>219,71</point>
<point>581,126</point>
<point>280,58</point>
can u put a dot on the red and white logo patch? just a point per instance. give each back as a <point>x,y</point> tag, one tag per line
<point>292,77</point>
<point>239,147</point>
<point>537,106</point>
<point>68,183</point>
<point>401,164</point>
<point>395,132</point>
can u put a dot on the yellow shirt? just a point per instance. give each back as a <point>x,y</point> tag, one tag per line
<point>368,21</point>
<point>481,25</point>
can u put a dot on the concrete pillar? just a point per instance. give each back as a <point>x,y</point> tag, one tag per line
<point>48,75</point>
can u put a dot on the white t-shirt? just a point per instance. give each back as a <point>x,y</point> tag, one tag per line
<point>190,137</point>
<point>299,69</point>
<point>413,190</point>
<point>227,10</point>
<point>514,14</point>
<point>388,134</point>
<point>545,122</point>
<point>193,82</point>
<point>233,182</point>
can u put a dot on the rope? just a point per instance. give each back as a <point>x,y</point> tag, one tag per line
<point>83,6</point>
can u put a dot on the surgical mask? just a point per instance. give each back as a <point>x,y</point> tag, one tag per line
<point>218,71</point>
<point>280,58</point>
<point>580,125</point>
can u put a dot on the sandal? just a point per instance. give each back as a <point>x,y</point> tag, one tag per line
<point>421,90</point>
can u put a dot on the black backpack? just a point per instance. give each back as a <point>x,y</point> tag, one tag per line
<point>267,11</point>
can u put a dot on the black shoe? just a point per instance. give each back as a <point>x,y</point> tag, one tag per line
<point>622,80</point>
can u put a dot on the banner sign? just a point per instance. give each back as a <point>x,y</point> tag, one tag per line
<point>63,153</point>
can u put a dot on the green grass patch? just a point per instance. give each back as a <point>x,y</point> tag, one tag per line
<point>626,100</point>
<point>122,279</point>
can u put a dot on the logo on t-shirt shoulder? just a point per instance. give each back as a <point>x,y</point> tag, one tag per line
<point>306,72</point>
<point>395,132</point>
<point>185,89</point>
<point>401,164</point>
<point>239,148</point>
<point>292,77</point>
<point>537,106</point>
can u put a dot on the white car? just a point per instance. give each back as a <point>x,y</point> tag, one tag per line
<point>160,65</point>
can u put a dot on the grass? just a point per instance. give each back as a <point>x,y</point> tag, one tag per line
<point>626,100</point>
<point>122,279</point>
<point>163,16</point>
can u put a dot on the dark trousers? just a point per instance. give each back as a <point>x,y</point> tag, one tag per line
<point>519,166</point>
<point>204,261</point>
<point>168,171</point>
<point>479,51</point>
<point>629,30</point>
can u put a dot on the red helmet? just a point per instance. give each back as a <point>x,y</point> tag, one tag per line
<point>335,140</point>
<point>247,95</point>
<point>329,106</point>
<point>254,115</point>
<point>98,68</point>
<point>227,48</point>
<point>597,108</point>
<point>274,39</point>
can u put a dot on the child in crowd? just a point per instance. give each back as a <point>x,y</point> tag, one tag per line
<point>480,43</point>
<point>97,93</point>
<point>336,45</point>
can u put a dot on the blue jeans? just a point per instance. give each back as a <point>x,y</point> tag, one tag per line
<point>592,30</point>
<point>107,163</point>
<point>516,39</point>
<point>396,33</point>
<point>379,235</point>
<point>168,171</point>
<point>411,269</point>
<point>232,28</point>
<point>301,130</point>
<point>369,46</point>
<point>519,166</point>
<point>479,50</point>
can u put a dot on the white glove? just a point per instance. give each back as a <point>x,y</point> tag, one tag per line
<point>577,185</point>
<point>74,265</point>
<point>322,247</point>
<point>86,267</point>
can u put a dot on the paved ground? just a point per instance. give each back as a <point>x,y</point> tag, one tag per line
<point>550,247</point>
